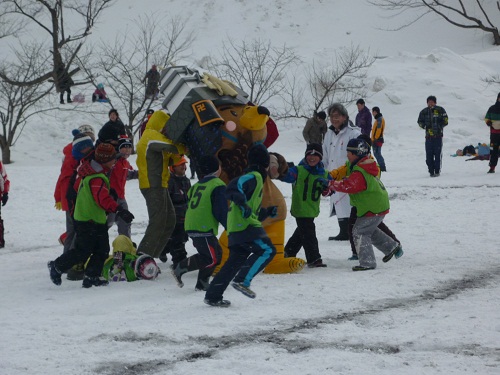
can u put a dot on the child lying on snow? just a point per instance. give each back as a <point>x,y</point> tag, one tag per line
<point>480,152</point>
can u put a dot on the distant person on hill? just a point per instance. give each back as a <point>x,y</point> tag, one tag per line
<point>64,85</point>
<point>363,118</point>
<point>152,80</point>
<point>492,119</point>
<point>433,119</point>
<point>99,94</point>
<point>315,128</point>
<point>4,197</point>
<point>377,137</point>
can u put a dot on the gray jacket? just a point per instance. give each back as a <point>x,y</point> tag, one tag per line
<point>315,130</point>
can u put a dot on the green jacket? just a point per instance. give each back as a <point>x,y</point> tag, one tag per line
<point>306,193</point>
<point>86,208</point>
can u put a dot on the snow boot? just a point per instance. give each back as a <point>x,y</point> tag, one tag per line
<point>246,291</point>
<point>177,273</point>
<point>362,268</point>
<point>398,252</point>
<point>353,257</point>
<point>202,285</point>
<point>220,303</point>
<point>90,281</point>
<point>55,274</point>
<point>343,234</point>
<point>76,273</point>
<point>492,170</point>
<point>316,264</point>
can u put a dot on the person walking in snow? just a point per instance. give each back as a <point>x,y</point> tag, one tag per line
<point>377,137</point>
<point>120,174</point>
<point>92,203</point>
<point>315,129</point>
<point>309,179</point>
<point>4,197</point>
<point>339,133</point>
<point>178,187</point>
<point>369,196</point>
<point>433,119</point>
<point>492,119</point>
<point>363,118</point>
<point>207,208</point>
<point>250,249</point>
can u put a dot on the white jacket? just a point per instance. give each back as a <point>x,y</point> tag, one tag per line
<point>334,156</point>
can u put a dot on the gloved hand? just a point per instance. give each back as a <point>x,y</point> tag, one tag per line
<point>58,206</point>
<point>246,211</point>
<point>324,182</point>
<point>329,190</point>
<point>126,215</point>
<point>272,211</point>
<point>5,198</point>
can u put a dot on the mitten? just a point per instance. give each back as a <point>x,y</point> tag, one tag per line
<point>5,198</point>
<point>329,190</point>
<point>58,206</point>
<point>246,211</point>
<point>126,215</point>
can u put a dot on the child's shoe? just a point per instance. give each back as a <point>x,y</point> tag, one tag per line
<point>177,274</point>
<point>353,257</point>
<point>244,290</point>
<point>55,274</point>
<point>362,268</point>
<point>398,251</point>
<point>90,281</point>
<point>202,285</point>
<point>316,264</point>
<point>220,303</point>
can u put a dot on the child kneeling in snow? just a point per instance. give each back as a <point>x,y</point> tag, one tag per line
<point>126,265</point>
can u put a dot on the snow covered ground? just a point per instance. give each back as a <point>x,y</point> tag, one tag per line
<point>433,311</point>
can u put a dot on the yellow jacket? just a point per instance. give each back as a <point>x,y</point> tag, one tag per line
<point>155,153</point>
<point>378,129</point>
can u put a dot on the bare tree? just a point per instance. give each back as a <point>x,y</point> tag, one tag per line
<point>256,66</point>
<point>122,65</point>
<point>341,79</point>
<point>470,14</point>
<point>66,38</point>
<point>19,103</point>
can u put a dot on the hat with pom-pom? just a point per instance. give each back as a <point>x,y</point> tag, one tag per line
<point>82,143</point>
<point>104,152</point>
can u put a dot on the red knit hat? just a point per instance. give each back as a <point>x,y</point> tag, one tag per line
<point>104,152</point>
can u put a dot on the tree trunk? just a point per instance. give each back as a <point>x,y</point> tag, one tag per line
<point>6,154</point>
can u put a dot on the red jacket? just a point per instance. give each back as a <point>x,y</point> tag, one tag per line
<point>68,168</point>
<point>119,176</point>
<point>4,181</point>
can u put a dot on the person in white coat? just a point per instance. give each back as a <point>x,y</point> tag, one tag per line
<point>338,135</point>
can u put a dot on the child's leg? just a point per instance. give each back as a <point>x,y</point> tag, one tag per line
<point>209,259</point>
<point>362,232</point>
<point>384,228</point>
<point>263,252</point>
<point>350,226</point>
<point>294,243</point>
<point>100,251</point>
<point>123,227</point>
<point>85,241</point>
<point>237,256</point>
<point>383,242</point>
<point>309,239</point>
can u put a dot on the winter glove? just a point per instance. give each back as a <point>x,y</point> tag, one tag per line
<point>58,206</point>
<point>246,211</point>
<point>329,189</point>
<point>5,198</point>
<point>272,211</point>
<point>126,215</point>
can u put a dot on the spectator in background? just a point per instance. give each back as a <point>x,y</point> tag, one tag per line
<point>433,119</point>
<point>377,137</point>
<point>492,119</point>
<point>4,197</point>
<point>113,130</point>
<point>315,129</point>
<point>100,94</point>
<point>363,118</point>
<point>152,80</point>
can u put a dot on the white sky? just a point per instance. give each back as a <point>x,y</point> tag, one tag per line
<point>433,311</point>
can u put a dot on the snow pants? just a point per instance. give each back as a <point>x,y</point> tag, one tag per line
<point>123,227</point>
<point>366,235</point>
<point>304,236</point>
<point>245,261</point>
<point>161,223</point>
<point>69,242</point>
<point>377,152</point>
<point>494,144</point>
<point>433,154</point>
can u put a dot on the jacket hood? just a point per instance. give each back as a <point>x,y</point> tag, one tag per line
<point>157,121</point>
<point>124,244</point>
<point>88,167</point>
<point>369,165</point>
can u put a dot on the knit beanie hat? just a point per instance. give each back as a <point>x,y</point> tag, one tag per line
<point>104,152</point>
<point>208,164</point>
<point>87,129</point>
<point>258,156</point>
<point>314,149</point>
<point>358,147</point>
<point>124,142</point>
<point>80,142</point>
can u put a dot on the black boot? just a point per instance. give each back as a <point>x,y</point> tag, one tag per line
<point>343,234</point>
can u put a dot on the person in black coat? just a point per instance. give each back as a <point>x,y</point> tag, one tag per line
<point>113,130</point>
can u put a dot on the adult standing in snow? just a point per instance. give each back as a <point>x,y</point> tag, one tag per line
<point>377,137</point>
<point>64,82</point>
<point>363,118</point>
<point>152,80</point>
<point>315,129</point>
<point>433,119</point>
<point>492,119</point>
<point>113,130</point>
<point>4,197</point>
<point>155,153</point>
<point>339,133</point>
